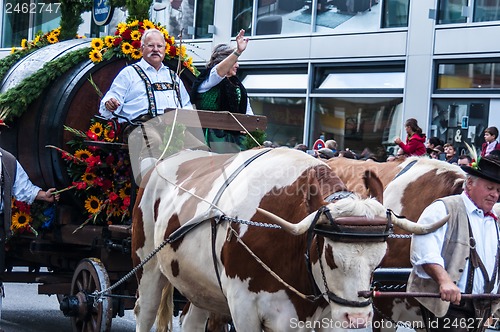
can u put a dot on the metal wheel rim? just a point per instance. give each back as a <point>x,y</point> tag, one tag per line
<point>89,276</point>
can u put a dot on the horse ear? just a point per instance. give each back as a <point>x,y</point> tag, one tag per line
<point>374,186</point>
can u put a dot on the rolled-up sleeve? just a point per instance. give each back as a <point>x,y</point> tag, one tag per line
<point>24,190</point>
<point>426,249</point>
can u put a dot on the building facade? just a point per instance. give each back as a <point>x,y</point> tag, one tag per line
<point>349,70</point>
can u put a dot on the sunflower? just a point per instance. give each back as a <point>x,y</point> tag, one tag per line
<point>136,54</point>
<point>135,35</point>
<point>36,40</point>
<point>133,24</point>
<point>122,26</point>
<point>109,135</point>
<point>97,129</point>
<point>95,56</point>
<point>20,220</point>
<point>108,40</point>
<point>97,43</point>
<point>24,43</point>
<point>148,24</point>
<point>52,39</point>
<point>125,191</point>
<point>83,154</point>
<point>114,211</point>
<point>88,178</point>
<point>93,204</point>
<point>127,48</point>
<point>57,31</point>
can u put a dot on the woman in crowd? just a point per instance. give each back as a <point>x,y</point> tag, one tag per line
<point>415,139</point>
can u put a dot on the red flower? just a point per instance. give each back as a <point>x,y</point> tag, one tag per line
<point>80,185</point>
<point>93,161</point>
<point>110,159</point>
<point>172,51</point>
<point>117,41</point>
<point>91,135</point>
<point>136,44</point>
<point>126,203</point>
<point>126,34</point>
<point>113,197</point>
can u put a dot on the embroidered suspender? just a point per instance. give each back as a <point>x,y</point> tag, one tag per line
<point>475,262</point>
<point>160,86</point>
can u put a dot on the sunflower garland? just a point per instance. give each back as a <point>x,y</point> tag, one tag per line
<point>127,43</point>
<point>101,173</point>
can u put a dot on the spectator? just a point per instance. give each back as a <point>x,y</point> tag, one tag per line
<point>451,154</point>
<point>415,139</point>
<point>437,152</point>
<point>432,143</point>
<point>332,145</point>
<point>490,136</point>
<point>301,147</point>
<point>464,160</point>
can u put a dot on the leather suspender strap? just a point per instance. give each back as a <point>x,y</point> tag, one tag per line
<point>173,76</point>
<point>476,262</point>
<point>149,90</point>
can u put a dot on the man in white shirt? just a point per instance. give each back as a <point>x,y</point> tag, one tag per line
<point>14,182</point>
<point>463,255</point>
<point>129,95</point>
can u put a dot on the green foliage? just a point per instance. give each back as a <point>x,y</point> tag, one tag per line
<point>7,62</point>
<point>248,142</point>
<point>71,17</point>
<point>15,101</point>
<point>138,9</point>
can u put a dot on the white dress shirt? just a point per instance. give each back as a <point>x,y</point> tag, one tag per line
<point>212,80</point>
<point>130,91</point>
<point>23,190</point>
<point>426,249</point>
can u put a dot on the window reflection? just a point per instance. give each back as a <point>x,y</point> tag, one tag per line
<point>357,123</point>
<point>486,10</point>
<point>450,11</point>
<point>483,75</point>
<point>457,121</point>
<point>179,16</point>
<point>296,16</point>
<point>285,118</point>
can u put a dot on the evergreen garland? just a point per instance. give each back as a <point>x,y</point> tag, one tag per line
<point>7,62</point>
<point>138,9</point>
<point>16,100</point>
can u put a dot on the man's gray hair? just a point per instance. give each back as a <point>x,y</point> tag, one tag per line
<point>219,53</point>
<point>148,32</point>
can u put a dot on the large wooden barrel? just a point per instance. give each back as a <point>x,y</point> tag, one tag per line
<point>69,101</point>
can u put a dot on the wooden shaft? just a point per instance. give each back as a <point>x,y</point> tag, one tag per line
<point>376,294</point>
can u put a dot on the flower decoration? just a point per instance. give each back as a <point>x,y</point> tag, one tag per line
<point>475,164</point>
<point>40,40</point>
<point>101,172</point>
<point>126,42</point>
<point>33,218</point>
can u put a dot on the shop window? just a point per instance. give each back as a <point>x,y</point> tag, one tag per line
<point>285,118</point>
<point>358,123</point>
<point>457,121</point>
<point>23,18</point>
<point>481,75</point>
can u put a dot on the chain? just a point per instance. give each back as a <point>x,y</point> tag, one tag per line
<point>98,294</point>
<point>250,223</point>
<point>400,236</point>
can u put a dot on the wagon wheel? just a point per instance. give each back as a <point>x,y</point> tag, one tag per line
<point>90,275</point>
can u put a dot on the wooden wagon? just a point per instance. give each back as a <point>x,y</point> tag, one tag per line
<point>69,260</point>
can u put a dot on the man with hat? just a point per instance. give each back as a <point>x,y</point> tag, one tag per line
<point>15,183</point>
<point>461,257</point>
